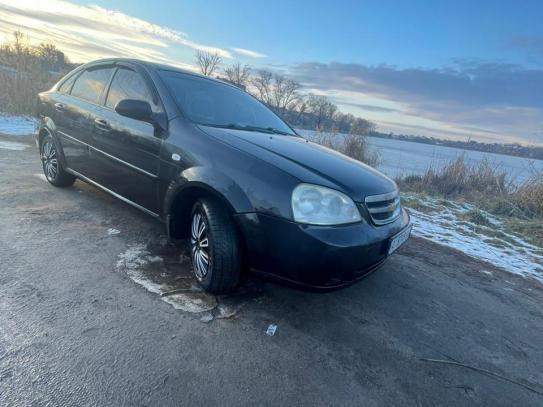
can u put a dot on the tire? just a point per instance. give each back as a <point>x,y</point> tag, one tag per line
<point>215,247</point>
<point>52,168</point>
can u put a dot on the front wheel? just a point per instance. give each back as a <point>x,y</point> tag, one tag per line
<point>52,167</point>
<point>215,247</point>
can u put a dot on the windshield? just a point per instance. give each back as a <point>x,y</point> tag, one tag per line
<point>212,103</point>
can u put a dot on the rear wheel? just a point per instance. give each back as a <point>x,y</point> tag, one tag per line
<point>215,247</point>
<point>52,167</point>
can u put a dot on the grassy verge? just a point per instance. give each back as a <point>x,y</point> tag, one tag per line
<point>489,189</point>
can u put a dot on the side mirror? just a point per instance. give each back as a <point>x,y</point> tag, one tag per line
<point>135,109</point>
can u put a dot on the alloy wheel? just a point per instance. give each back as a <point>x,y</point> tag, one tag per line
<point>199,241</point>
<point>49,160</point>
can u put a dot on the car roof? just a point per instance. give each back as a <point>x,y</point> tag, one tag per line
<point>155,66</point>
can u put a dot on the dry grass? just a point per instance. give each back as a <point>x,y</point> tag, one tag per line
<point>486,185</point>
<point>352,145</point>
<point>20,90</point>
<point>530,195</point>
<point>459,178</point>
<point>24,72</point>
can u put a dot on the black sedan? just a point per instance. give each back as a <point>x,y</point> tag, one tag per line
<point>218,167</point>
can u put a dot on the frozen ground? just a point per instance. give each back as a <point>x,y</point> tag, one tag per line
<point>17,125</point>
<point>153,273</point>
<point>487,238</point>
<point>163,270</point>
<point>12,145</point>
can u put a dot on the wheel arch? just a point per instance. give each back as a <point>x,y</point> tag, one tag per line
<point>48,127</point>
<point>196,183</point>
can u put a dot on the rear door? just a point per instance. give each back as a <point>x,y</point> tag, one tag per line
<point>76,106</point>
<point>125,152</point>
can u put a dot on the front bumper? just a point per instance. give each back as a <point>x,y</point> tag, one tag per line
<point>316,257</point>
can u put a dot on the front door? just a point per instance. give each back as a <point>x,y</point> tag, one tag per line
<point>125,152</point>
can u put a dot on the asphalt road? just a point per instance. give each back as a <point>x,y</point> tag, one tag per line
<point>76,330</point>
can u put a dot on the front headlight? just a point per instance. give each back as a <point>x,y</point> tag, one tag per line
<point>318,205</point>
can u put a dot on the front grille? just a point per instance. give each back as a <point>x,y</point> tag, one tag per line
<point>384,208</point>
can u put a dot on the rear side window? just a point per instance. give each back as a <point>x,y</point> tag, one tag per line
<point>67,85</point>
<point>90,84</point>
<point>128,84</point>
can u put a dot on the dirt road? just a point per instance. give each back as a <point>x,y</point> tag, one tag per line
<point>76,329</point>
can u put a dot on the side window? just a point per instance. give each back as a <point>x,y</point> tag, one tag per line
<point>67,85</point>
<point>90,84</point>
<point>128,84</point>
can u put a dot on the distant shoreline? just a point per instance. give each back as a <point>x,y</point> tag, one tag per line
<point>515,150</point>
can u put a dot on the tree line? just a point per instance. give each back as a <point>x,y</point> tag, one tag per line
<point>26,70</point>
<point>284,96</point>
<point>21,56</point>
<point>514,149</point>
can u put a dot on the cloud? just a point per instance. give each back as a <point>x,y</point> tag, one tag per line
<point>487,84</point>
<point>90,32</point>
<point>498,99</point>
<point>248,53</point>
<point>370,108</point>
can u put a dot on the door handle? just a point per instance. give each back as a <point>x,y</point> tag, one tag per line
<point>59,107</point>
<point>102,124</point>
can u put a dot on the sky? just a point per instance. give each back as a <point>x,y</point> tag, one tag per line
<point>458,70</point>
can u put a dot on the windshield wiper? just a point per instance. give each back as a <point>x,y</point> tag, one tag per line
<point>277,131</point>
<point>269,130</point>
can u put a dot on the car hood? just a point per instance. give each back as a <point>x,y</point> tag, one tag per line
<point>307,161</point>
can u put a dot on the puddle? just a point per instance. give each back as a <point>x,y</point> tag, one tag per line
<point>164,269</point>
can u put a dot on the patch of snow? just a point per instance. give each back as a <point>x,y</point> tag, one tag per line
<point>17,125</point>
<point>444,225</point>
<point>12,145</point>
<point>207,317</point>
<point>41,176</point>
<point>490,273</point>
<point>112,231</point>
<point>136,262</point>
<point>192,302</point>
<point>226,312</point>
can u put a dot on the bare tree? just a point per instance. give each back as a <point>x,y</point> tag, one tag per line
<point>20,42</point>
<point>238,74</point>
<point>279,93</point>
<point>51,58</point>
<point>285,93</point>
<point>208,62</point>
<point>299,108</point>
<point>322,109</point>
<point>262,83</point>
<point>362,126</point>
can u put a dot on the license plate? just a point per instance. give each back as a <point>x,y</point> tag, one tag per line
<point>399,239</point>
